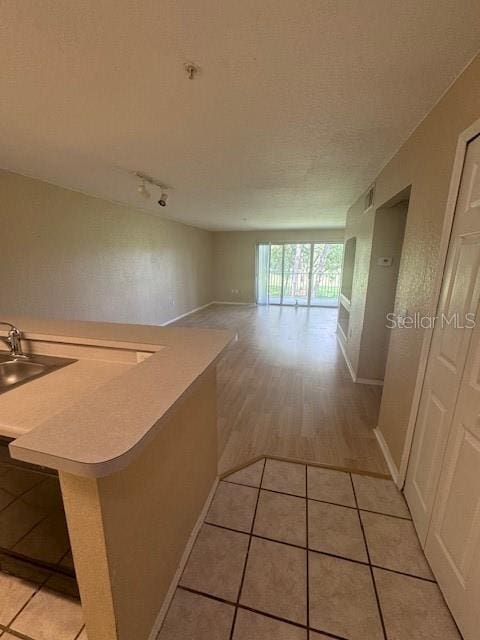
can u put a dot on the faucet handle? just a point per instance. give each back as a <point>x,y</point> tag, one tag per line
<point>14,339</point>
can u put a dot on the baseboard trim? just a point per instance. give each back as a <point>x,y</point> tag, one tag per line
<point>353,375</point>
<point>379,383</point>
<point>181,566</point>
<point>345,357</point>
<point>392,467</point>
<point>164,324</point>
<point>248,304</point>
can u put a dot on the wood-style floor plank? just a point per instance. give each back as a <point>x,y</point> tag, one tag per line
<point>284,390</point>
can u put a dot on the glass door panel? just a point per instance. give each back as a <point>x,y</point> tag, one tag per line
<point>263,269</point>
<point>296,273</point>
<point>275,279</point>
<point>306,274</point>
<point>326,274</point>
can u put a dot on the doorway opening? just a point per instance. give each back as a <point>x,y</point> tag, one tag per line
<point>306,274</point>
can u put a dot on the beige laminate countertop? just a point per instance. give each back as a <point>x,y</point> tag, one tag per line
<point>112,409</point>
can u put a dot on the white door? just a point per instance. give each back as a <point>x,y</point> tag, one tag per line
<point>449,348</point>
<point>453,541</point>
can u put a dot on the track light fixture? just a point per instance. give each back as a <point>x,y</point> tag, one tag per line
<point>148,180</point>
<point>143,191</point>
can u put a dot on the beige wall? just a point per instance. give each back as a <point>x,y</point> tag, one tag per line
<point>234,252</point>
<point>68,255</point>
<point>382,282</point>
<point>425,161</point>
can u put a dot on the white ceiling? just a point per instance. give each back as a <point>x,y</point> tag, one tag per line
<point>298,105</point>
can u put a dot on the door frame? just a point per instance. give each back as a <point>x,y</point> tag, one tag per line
<point>463,139</point>
<point>284,242</point>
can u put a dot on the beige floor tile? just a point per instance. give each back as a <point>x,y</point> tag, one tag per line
<point>276,580</point>
<point>14,594</point>
<point>281,517</point>
<point>318,636</point>
<point>286,477</point>
<point>330,485</point>
<point>335,529</point>
<point>378,494</point>
<point>253,626</point>
<point>342,599</point>
<point>250,475</point>
<point>393,544</point>
<point>216,563</point>
<point>413,609</point>
<point>194,617</point>
<point>233,506</point>
<point>50,615</point>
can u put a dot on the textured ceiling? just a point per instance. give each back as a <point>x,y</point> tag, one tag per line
<point>298,104</point>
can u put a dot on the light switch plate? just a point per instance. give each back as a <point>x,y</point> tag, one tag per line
<point>385,262</point>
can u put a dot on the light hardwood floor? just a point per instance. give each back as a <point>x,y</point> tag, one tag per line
<point>284,390</point>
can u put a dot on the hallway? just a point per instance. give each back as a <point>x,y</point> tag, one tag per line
<point>285,391</point>
<point>299,552</point>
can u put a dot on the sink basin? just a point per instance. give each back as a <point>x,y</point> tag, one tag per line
<point>17,371</point>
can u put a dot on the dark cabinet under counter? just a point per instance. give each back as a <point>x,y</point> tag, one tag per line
<point>34,541</point>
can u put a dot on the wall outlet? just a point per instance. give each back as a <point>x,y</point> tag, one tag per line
<point>171,302</point>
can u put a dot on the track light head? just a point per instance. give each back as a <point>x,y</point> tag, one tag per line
<point>163,199</point>
<point>142,190</point>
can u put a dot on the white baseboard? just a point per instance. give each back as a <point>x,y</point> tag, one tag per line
<point>347,361</point>
<point>164,324</point>
<point>392,467</point>
<point>370,381</point>
<point>353,375</point>
<point>249,304</point>
<point>181,565</point>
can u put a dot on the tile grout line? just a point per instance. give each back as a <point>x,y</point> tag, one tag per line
<point>369,561</point>
<point>323,553</point>
<point>22,494</point>
<point>79,633</point>
<point>39,587</point>
<point>37,590</point>
<point>266,614</point>
<point>234,621</point>
<point>336,504</point>
<point>27,533</point>
<point>14,633</point>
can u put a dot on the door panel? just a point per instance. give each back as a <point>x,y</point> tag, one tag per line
<point>459,297</point>
<point>431,424</point>
<point>453,542</point>
<point>296,274</point>
<point>443,479</point>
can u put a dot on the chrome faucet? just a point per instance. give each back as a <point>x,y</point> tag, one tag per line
<point>13,340</point>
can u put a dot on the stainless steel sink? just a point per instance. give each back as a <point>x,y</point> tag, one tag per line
<point>15,371</point>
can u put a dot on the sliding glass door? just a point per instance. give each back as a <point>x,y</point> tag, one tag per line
<point>327,259</point>
<point>296,274</point>
<point>303,273</point>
